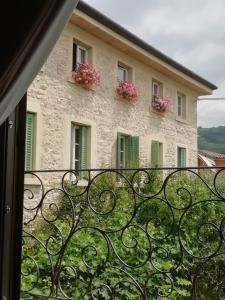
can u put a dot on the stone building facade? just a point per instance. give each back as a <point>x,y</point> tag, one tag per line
<point>57,104</point>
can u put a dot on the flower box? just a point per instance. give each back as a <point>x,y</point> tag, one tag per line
<point>161,104</point>
<point>86,76</point>
<point>126,90</point>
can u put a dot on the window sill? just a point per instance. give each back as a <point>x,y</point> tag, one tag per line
<point>160,113</point>
<point>181,120</point>
<point>123,100</point>
<point>70,80</point>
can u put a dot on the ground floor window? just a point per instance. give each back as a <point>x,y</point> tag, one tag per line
<point>127,151</point>
<point>79,154</point>
<point>181,157</point>
<point>156,154</point>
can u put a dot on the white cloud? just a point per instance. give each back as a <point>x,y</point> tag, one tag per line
<point>211,113</point>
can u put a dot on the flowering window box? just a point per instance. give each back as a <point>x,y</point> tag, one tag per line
<point>161,104</point>
<point>86,76</point>
<point>126,90</point>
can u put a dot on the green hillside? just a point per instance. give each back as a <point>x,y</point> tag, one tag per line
<point>212,139</point>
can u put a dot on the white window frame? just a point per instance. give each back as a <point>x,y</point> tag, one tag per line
<point>123,152</point>
<point>74,160</point>
<point>78,57</point>
<point>181,147</point>
<point>124,70</point>
<point>181,105</point>
<point>155,84</point>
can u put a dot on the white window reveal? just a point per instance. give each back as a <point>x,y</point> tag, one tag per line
<point>156,154</point>
<point>155,88</point>
<point>181,105</point>
<point>76,148</point>
<point>80,55</point>
<point>127,151</point>
<point>122,153</point>
<point>181,157</point>
<point>79,147</point>
<point>122,73</point>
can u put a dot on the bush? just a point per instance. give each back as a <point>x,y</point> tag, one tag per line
<point>129,236</point>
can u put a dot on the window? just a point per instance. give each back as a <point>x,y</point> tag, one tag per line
<point>181,105</point>
<point>79,141</point>
<point>80,55</point>
<point>156,154</point>
<point>122,72</point>
<point>181,157</point>
<point>157,88</point>
<point>29,146</point>
<point>127,151</point>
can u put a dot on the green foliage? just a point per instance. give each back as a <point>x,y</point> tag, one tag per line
<point>212,139</point>
<point>106,232</point>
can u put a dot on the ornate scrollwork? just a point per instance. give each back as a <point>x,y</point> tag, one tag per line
<point>125,234</point>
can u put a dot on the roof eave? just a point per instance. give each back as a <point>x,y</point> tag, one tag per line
<point>104,20</point>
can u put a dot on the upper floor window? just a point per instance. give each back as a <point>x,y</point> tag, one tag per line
<point>79,144</point>
<point>181,105</point>
<point>29,146</point>
<point>127,151</point>
<point>156,154</point>
<point>122,72</point>
<point>157,88</point>
<point>80,55</point>
<point>181,157</point>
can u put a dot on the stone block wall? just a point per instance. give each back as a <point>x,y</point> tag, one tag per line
<point>57,102</point>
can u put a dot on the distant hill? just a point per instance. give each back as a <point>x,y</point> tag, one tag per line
<point>212,139</point>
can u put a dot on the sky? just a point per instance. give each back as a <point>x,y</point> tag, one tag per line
<point>190,31</point>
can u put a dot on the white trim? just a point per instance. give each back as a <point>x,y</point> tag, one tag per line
<point>179,145</point>
<point>92,140</point>
<point>160,85</point>
<point>73,147</point>
<point>78,57</point>
<point>155,84</point>
<point>160,139</point>
<point>124,70</point>
<point>183,106</point>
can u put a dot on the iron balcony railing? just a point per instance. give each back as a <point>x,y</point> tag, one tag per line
<point>124,234</point>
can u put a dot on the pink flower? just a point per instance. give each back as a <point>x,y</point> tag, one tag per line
<point>126,90</point>
<point>161,103</point>
<point>86,75</point>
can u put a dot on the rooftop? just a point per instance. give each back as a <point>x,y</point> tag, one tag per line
<point>211,154</point>
<point>104,20</point>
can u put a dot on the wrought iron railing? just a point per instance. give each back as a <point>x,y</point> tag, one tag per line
<point>124,234</point>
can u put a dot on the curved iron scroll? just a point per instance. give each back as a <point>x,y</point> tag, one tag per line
<point>125,234</point>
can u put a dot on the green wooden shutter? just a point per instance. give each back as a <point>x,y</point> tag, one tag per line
<point>72,151</point>
<point>29,142</point>
<point>132,151</point>
<point>135,152</point>
<point>118,151</point>
<point>83,147</point>
<point>181,157</point>
<point>155,159</point>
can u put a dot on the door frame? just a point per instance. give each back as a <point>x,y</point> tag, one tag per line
<point>12,148</point>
